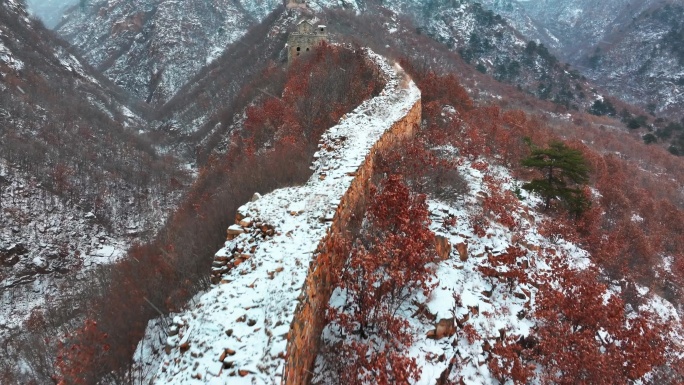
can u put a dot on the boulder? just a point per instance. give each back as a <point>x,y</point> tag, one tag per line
<point>445,328</point>
<point>40,263</point>
<point>462,249</point>
<point>443,247</point>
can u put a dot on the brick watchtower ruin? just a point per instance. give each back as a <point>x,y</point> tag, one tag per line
<point>309,34</point>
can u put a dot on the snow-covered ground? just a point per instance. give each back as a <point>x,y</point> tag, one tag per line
<point>475,305</point>
<point>237,332</point>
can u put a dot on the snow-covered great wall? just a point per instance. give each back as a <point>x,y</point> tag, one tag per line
<point>260,323</point>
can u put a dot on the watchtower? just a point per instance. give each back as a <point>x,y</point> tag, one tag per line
<point>309,34</point>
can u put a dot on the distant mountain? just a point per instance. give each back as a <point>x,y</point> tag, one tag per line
<point>570,28</point>
<point>151,47</point>
<point>50,11</point>
<point>631,48</point>
<point>643,61</point>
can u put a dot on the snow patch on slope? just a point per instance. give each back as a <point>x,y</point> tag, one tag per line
<point>7,58</point>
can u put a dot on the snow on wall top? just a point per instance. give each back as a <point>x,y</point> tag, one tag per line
<point>237,332</point>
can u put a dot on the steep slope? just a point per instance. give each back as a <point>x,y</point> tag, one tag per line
<point>573,27</point>
<point>153,47</point>
<point>77,184</point>
<point>237,331</point>
<point>193,117</point>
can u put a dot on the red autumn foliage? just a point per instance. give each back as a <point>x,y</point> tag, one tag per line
<point>509,363</point>
<point>78,361</point>
<point>423,170</point>
<point>586,337</point>
<point>387,264</point>
<point>507,267</point>
<point>499,203</point>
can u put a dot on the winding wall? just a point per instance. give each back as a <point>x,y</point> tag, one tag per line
<point>261,321</point>
<point>306,328</point>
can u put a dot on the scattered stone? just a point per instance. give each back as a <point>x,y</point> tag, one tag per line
<point>443,247</point>
<point>462,249</point>
<point>445,328</point>
<point>219,263</point>
<point>233,231</point>
<point>246,222</point>
<point>461,321</point>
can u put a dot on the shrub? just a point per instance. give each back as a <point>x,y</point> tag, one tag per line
<point>387,264</point>
<point>565,171</point>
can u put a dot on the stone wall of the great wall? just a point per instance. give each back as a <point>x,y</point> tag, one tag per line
<point>309,321</point>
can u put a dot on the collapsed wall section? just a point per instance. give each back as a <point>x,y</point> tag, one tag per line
<point>260,322</point>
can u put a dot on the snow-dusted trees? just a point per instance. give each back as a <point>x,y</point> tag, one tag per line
<point>79,359</point>
<point>586,337</point>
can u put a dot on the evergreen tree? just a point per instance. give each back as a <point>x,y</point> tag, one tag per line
<point>565,171</point>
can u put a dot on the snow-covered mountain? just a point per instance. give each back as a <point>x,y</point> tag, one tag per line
<point>153,47</point>
<point>627,47</point>
<point>570,28</point>
<point>87,169</point>
<point>643,60</point>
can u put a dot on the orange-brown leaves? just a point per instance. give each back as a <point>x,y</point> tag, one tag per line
<point>585,336</point>
<point>77,361</point>
<point>388,263</point>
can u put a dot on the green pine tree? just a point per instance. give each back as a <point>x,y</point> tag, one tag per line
<point>565,172</point>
